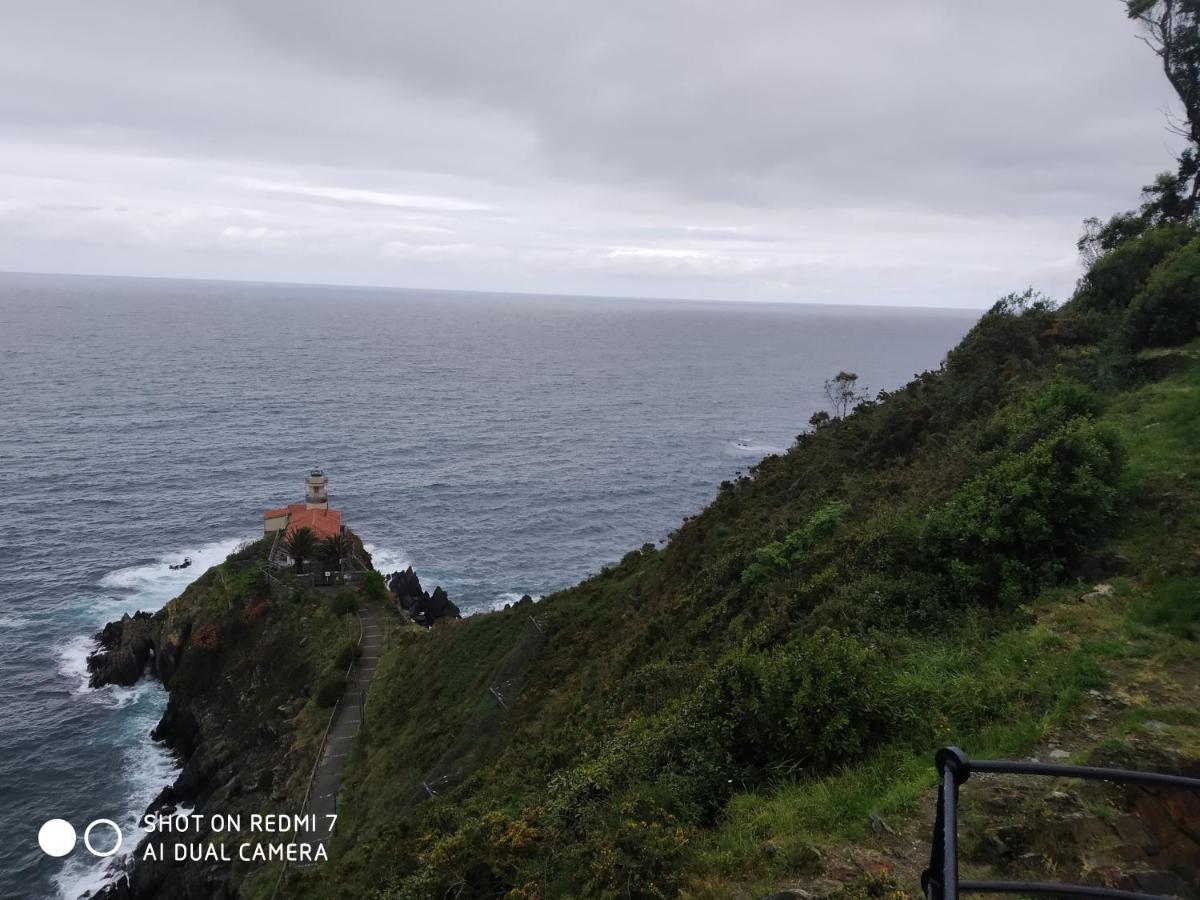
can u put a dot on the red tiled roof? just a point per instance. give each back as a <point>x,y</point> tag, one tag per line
<point>323,522</point>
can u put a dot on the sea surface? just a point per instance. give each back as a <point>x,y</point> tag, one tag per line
<point>500,444</point>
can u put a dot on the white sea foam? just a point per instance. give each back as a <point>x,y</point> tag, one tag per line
<point>386,560</point>
<point>502,600</point>
<point>751,448</point>
<point>150,585</point>
<point>72,665</point>
<point>133,588</point>
<point>72,661</point>
<point>148,767</point>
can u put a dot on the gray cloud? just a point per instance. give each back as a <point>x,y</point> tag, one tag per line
<point>897,151</point>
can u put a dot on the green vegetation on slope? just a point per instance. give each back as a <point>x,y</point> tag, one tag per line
<point>695,720</point>
<point>702,715</point>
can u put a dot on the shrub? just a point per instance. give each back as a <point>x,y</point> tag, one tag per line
<point>347,655</point>
<point>330,689</point>
<point>780,556</point>
<point>632,850</point>
<point>1018,524</point>
<point>344,603</point>
<point>1003,344</point>
<point>1018,427</point>
<point>206,637</point>
<point>1117,276</point>
<point>374,587</point>
<point>1167,310</point>
<point>819,701</point>
<point>247,550</point>
<point>255,611</point>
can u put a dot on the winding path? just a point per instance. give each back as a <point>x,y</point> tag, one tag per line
<point>347,720</point>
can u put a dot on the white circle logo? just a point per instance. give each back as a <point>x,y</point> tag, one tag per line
<point>87,838</point>
<point>56,837</point>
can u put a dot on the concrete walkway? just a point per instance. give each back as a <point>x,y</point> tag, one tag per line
<point>347,720</point>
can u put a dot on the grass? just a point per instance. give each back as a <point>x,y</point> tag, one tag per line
<point>1173,607</point>
<point>1018,687</point>
<point>630,646</point>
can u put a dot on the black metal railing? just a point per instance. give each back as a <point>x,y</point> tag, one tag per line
<point>941,882</point>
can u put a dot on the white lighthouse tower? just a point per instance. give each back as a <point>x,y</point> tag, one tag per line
<point>315,497</point>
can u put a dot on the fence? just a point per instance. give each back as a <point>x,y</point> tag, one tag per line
<point>282,580</point>
<point>493,706</point>
<point>941,882</point>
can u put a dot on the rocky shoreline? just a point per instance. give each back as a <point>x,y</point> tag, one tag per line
<point>239,666</point>
<point>210,770</point>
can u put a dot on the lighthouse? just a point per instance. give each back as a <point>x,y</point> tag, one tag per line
<point>315,497</point>
<point>314,513</point>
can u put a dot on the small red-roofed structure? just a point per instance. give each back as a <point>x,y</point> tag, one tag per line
<point>323,522</point>
<point>313,513</point>
<point>323,565</point>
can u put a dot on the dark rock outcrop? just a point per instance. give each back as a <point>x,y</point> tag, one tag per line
<point>126,646</point>
<point>406,587</point>
<point>438,606</point>
<point>423,607</point>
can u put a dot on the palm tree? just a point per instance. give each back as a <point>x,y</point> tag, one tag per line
<point>333,550</point>
<point>300,545</point>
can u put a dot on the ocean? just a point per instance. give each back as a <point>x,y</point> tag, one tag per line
<point>500,444</point>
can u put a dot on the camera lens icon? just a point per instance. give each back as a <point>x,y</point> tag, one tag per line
<point>57,837</point>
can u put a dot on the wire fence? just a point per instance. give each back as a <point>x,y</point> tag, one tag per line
<point>495,704</point>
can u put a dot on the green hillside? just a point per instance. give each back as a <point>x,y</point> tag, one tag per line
<point>702,718</point>
<point>1003,554</point>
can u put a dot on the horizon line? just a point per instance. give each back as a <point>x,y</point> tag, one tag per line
<point>500,293</point>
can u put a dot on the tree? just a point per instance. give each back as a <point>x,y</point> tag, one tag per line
<point>1172,31</point>
<point>841,394</point>
<point>300,545</point>
<point>333,550</point>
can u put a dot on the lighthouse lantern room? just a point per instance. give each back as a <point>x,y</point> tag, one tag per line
<point>316,498</point>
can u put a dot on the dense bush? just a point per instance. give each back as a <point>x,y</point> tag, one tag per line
<point>1167,309</point>
<point>374,586</point>
<point>344,603</point>
<point>1020,425</point>
<point>207,636</point>
<point>330,689</point>
<point>1016,526</point>
<point>255,611</point>
<point>1118,275</point>
<point>348,654</point>
<point>780,556</point>
<point>1005,345</point>
<point>816,702</point>
<point>481,858</point>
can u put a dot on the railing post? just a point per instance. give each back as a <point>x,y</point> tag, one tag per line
<point>940,880</point>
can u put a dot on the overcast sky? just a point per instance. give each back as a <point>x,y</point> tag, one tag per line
<point>923,152</point>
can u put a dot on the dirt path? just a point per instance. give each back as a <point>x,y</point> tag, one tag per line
<point>348,719</point>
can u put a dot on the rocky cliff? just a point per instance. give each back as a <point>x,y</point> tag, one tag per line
<point>240,668</point>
